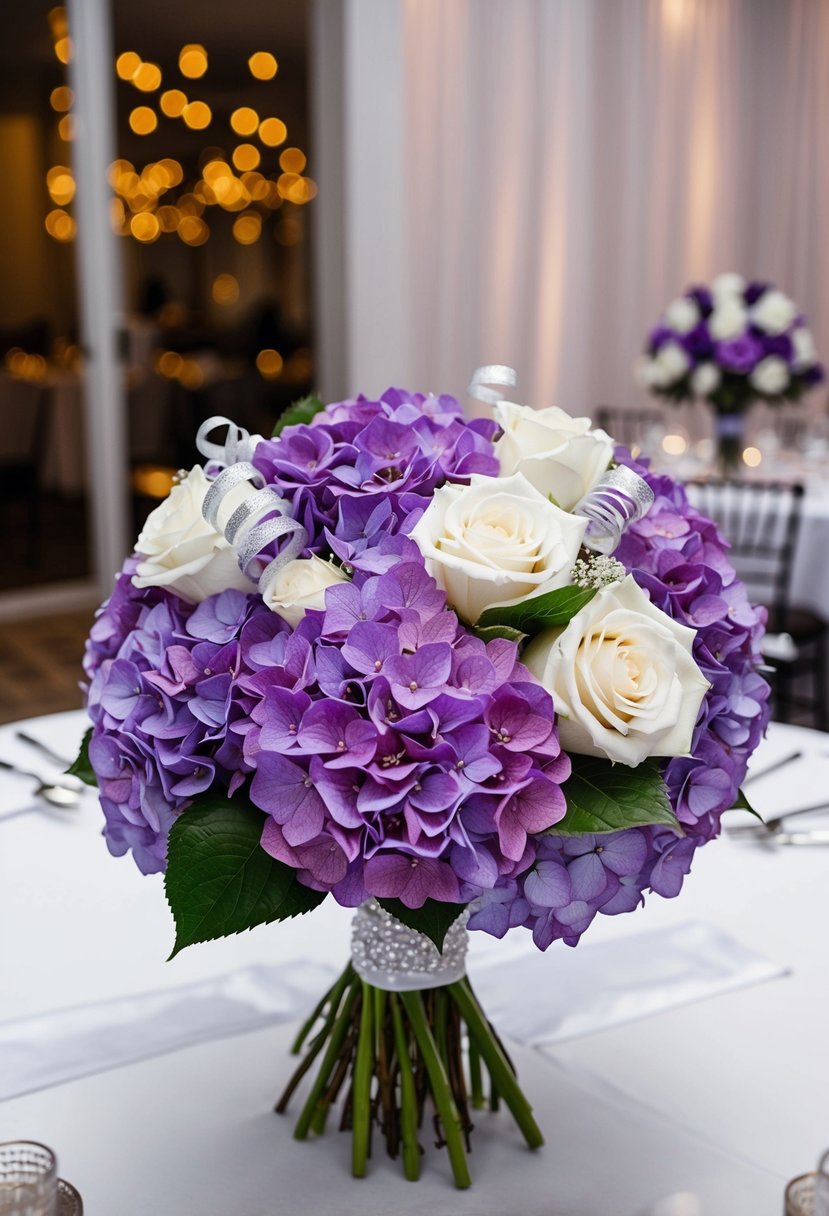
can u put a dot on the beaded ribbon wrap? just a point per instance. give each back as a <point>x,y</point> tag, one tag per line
<point>388,954</point>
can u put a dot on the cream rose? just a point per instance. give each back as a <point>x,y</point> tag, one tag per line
<point>805,352</point>
<point>705,379</point>
<point>771,375</point>
<point>773,312</point>
<point>300,585</point>
<point>622,677</point>
<point>682,315</point>
<point>181,551</point>
<point>496,542</point>
<point>729,284</point>
<point>672,361</point>
<point>559,455</point>
<point>729,318</point>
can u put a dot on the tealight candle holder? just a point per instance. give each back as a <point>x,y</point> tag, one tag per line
<point>28,1179</point>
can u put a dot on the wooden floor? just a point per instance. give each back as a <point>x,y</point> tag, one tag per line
<point>40,665</point>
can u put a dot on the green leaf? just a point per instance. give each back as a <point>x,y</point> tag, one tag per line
<point>302,411</point>
<point>80,766</point>
<point>605,797</point>
<point>548,611</point>
<point>499,631</point>
<point>741,803</point>
<point>220,880</point>
<point>433,919</point>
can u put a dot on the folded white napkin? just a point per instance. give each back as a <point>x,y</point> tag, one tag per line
<point>532,998</point>
<point>537,999</point>
<point>36,1052</point>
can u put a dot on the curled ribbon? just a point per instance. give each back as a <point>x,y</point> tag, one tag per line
<point>483,378</point>
<point>614,503</point>
<point>239,444</point>
<point>252,525</point>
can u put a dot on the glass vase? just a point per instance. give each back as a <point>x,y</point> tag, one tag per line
<point>730,432</point>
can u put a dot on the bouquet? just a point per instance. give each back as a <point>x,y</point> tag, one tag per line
<point>484,675</point>
<point>731,344</point>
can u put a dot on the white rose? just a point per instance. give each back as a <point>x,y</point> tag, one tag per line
<point>729,284</point>
<point>181,551</point>
<point>622,677</point>
<point>300,585</point>
<point>729,318</point>
<point>705,379</point>
<point>682,315</point>
<point>649,373</point>
<point>496,542</point>
<point>805,352</point>
<point>559,455</point>
<point>773,312</point>
<point>673,362</point>
<point>770,376</point>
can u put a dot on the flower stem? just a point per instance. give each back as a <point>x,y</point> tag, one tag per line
<point>363,1070</point>
<point>408,1098</point>
<point>444,1102</point>
<point>503,1078</point>
<point>476,1083</point>
<point>316,1045</point>
<point>339,1031</point>
<point>334,995</point>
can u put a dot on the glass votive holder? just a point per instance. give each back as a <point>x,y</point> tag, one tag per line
<point>808,1195</point>
<point>28,1179</point>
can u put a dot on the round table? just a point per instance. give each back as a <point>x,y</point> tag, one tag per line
<point>723,1099</point>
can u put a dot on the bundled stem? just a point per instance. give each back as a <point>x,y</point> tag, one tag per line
<point>397,1051</point>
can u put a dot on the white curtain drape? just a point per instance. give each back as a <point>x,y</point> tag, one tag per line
<point>567,168</point>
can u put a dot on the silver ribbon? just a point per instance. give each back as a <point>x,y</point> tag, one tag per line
<point>388,954</point>
<point>493,374</point>
<point>248,529</point>
<point>239,444</point>
<point>614,503</point>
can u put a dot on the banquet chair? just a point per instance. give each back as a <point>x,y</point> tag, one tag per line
<point>761,521</point>
<point>629,427</point>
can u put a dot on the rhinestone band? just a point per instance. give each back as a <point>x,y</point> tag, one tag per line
<point>388,954</point>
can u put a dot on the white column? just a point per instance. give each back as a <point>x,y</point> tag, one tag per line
<point>99,283</point>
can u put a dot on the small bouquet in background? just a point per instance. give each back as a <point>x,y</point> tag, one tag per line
<point>731,344</point>
<point>484,675</point>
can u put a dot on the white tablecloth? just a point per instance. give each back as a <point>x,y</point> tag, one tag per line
<point>724,1098</point>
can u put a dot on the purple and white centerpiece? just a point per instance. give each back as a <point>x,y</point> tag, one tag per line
<point>384,658</point>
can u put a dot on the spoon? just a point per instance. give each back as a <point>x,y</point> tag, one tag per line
<point>57,793</point>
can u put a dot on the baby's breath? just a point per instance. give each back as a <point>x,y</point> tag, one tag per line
<point>597,571</point>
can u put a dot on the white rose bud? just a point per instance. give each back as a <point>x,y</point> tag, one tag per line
<point>181,551</point>
<point>773,312</point>
<point>648,372</point>
<point>770,376</point>
<point>729,318</point>
<point>729,284</point>
<point>805,353</point>
<point>682,315</point>
<point>622,676</point>
<point>558,454</point>
<point>705,379</point>
<point>496,542</point>
<point>300,585</point>
<point>673,362</point>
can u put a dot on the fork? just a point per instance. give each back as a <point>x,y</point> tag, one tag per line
<point>771,827</point>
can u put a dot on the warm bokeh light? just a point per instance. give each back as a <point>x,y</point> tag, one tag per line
<point>197,114</point>
<point>193,230</point>
<point>61,185</point>
<point>753,457</point>
<point>147,77</point>
<point>172,103</point>
<point>292,160</point>
<point>127,64</point>
<point>272,132</point>
<point>191,375</point>
<point>168,218</point>
<point>168,363</point>
<point>263,65</point>
<point>246,157</point>
<point>66,128</point>
<point>58,23</point>
<point>145,227</point>
<point>143,120</point>
<point>256,185</point>
<point>61,99</point>
<point>674,445</point>
<point>269,364</point>
<point>244,121</point>
<point>153,480</point>
<point>247,228</point>
<point>63,49</point>
<point>60,225</point>
<point>225,289</point>
<point>190,204</point>
<point>174,171</point>
<point>192,61</point>
<point>117,214</point>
